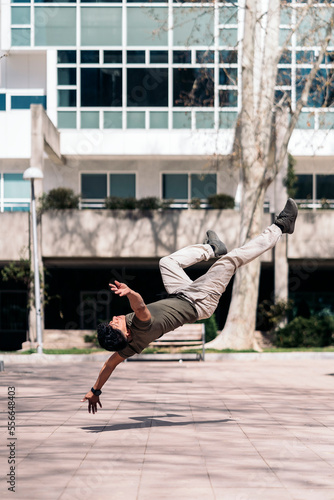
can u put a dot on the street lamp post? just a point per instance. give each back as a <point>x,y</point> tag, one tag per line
<point>33,173</point>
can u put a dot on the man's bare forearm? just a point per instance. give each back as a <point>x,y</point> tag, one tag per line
<point>107,369</point>
<point>136,301</point>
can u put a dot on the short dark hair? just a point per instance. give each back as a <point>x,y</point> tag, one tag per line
<point>110,338</point>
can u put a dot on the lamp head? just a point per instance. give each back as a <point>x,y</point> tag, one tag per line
<point>33,173</point>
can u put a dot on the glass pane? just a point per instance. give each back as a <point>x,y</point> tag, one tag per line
<point>67,119</point>
<point>158,56</point>
<point>90,56</point>
<point>147,87</point>
<point>135,56</point>
<point>228,15</point>
<point>158,119</point>
<point>67,98</point>
<point>175,186</point>
<point>203,185</point>
<point>312,29</point>
<point>284,36</point>
<point>304,187</point>
<point>228,56</point>
<point>66,56</point>
<point>227,119</point>
<point>112,119</point>
<point>20,15</point>
<point>101,26</point>
<point>15,186</point>
<point>112,56</point>
<point>228,37</point>
<point>147,25</point>
<point>181,120</point>
<point>283,76</point>
<point>123,185</point>
<point>94,186</point>
<point>55,26</point>
<point>90,119</point>
<point>181,56</point>
<point>2,102</point>
<point>24,101</point>
<point>67,76</point>
<point>228,76</point>
<point>136,119</point>
<point>322,89</point>
<point>20,37</point>
<point>285,57</point>
<point>325,187</point>
<point>193,87</point>
<point>205,119</point>
<point>305,121</point>
<point>101,87</point>
<point>205,56</point>
<point>326,120</point>
<point>228,98</point>
<point>305,56</point>
<point>193,26</point>
<point>286,13</point>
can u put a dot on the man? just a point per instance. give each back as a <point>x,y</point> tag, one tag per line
<point>188,300</point>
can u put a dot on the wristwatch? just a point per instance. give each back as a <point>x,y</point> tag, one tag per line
<point>96,392</point>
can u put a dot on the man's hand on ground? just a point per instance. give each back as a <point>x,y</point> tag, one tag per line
<point>93,401</point>
<point>120,289</point>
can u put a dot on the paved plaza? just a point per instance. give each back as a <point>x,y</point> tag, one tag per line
<point>232,430</point>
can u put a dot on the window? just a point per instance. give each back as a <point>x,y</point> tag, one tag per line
<point>96,187</point>
<point>66,57</point>
<point>55,26</point>
<point>184,187</point>
<point>24,101</point>
<point>203,185</point>
<point>304,186</point>
<point>16,193</point>
<point>147,87</point>
<point>101,87</point>
<point>325,187</point>
<point>181,57</point>
<point>193,26</point>
<point>158,56</point>
<point>175,187</point>
<point>193,87</point>
<point>135,56</point>
<point>147,26</point>
<point>67,76</point>
<point>123,185</point>
<point>89,56</point>
<point>2,102</point>
<point>112,56</point>
<point>101,26</point>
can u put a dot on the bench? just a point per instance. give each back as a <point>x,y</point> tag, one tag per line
<point>188,335</point>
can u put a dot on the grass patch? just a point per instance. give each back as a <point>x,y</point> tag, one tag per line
<point>73,350</point>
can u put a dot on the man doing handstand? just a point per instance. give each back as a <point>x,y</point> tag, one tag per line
<point>188,300</point>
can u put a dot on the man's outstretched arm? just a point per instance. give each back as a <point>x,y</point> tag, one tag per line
<point>107,369</point>
<point>136,300</point>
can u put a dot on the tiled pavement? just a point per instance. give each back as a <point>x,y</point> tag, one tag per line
<point>234,430</point>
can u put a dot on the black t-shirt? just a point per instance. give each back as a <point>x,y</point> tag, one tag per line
<point>166,315</point>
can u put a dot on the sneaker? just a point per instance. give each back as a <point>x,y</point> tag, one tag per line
<point>287,218</point>
<point>218,246</point>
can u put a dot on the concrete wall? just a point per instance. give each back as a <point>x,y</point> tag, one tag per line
<point>14,236</point>
<point>313,237</point>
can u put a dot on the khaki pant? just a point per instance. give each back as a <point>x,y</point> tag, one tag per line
<point>206,291</point>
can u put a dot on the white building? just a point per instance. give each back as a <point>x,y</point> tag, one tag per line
<point>117,80</point>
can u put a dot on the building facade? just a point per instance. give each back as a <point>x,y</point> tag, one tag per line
<point>145,97</point>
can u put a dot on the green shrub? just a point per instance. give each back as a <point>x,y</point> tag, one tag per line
<point>270,315</point>
<point>118,203</point>
<point>92,339</point>
<point>221,201</point>
<point>195,203</point>
<point>59,199</point>
<point>316,331</point>
<point>210,327</point>
<point>149,203</point>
